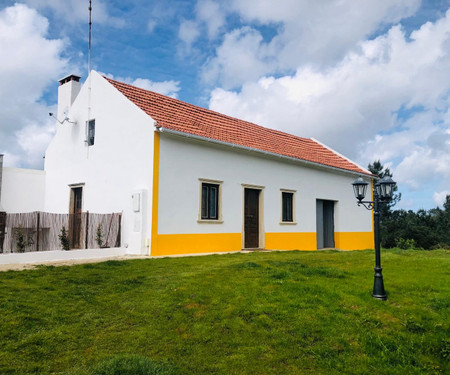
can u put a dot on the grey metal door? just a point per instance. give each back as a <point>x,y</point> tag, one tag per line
<point>325,223</point>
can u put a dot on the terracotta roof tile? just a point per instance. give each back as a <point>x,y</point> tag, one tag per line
<point>174,114</point>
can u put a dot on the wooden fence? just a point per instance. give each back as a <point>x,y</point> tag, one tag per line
<point>42,231</point>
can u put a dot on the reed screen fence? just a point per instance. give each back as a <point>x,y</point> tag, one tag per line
<point>42,231</point>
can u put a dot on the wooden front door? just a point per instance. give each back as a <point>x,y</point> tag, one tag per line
<point>75,217</point>
<point>251,218</point>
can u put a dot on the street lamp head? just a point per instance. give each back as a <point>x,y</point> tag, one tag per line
<point>385,188</point>
<point>359,188</point>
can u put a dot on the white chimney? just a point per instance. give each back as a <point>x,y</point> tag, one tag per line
<point>68,89</point>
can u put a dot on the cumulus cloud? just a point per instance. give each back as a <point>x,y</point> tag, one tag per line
<point>33,140</point>
<point>209,20</point>
<point>169,88</point>
<point>242,57</point>
<point>388,99</point>
<point>188,32</point>
<point>75,11</point>
<point>313,32</point>
<point>439,197</point>
<point>33,63</point>
<point>211,15</point>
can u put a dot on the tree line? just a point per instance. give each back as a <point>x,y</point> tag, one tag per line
<point>426,229</point>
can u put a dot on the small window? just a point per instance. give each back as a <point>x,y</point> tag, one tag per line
<point>91,133</point>
<point>210,201</point>
<point>287,207</point>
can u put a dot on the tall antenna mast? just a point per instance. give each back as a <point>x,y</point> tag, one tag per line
<point>90,27</point>
<point>89,77</point>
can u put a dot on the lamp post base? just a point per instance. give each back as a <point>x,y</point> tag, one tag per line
<point>378,285</point>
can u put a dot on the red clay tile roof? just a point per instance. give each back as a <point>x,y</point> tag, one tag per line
<point>176,115</point>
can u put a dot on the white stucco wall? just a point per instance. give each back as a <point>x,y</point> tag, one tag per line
<point>23,190</point>
<point>118,165</point>
<point>184,161</point>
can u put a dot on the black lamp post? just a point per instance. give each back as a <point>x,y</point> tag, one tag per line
<point>382,192</point>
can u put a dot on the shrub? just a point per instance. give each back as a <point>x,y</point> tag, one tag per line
<point>21,242</point>
<point>99,235</point>
<point>64,239</point>
<point>408,244</point>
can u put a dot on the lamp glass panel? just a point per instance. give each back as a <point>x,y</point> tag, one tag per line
<point>360,190</point>
<point>379,190</point>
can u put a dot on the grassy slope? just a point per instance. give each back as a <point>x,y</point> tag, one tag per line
<point>274,313</point>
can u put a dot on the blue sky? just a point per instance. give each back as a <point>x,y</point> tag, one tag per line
<point>369,78</point>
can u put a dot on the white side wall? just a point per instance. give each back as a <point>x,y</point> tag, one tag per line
<point>184,161</point>
<point>118,165</point>
<point>23,190</point>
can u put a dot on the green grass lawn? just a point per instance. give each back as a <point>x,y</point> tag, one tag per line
<point>258,313</point>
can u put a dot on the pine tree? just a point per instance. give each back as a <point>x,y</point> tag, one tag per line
<point>379,170</point>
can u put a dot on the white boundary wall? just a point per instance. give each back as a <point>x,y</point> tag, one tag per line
<point>60,255</point>
<point>23,190</point>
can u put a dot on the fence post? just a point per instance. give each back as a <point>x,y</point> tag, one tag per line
<point>119,233</point>
<point>37,230</point>
<point>87,230</point>
<point>2,229</point>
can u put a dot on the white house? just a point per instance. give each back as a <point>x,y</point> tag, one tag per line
<point>191,180</point>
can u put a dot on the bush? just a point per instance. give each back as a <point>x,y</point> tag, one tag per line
<point>99,236</point>
<point>64,239</point>
<point>408,244</point>
<point>441,245</point>
<point>131,364</point>
<point>21,242</point>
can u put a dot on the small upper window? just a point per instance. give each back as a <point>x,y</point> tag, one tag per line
<point>210,201</point>
<point>91,133</point>
<point>287,207</point>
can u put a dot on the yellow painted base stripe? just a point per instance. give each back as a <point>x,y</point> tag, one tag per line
<point>354,240</point>
<point>291,241</point>
<point>172,244</point>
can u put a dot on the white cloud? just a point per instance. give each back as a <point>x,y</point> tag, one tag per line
<point>241,57</point>
<point>151,25</point>
<point>439,197</point>
<point>169,88</point>
<point>313,32</point>
<point>388,99</point>
<point>33,140</point>
<point>75,11</point>
<point>33,63</point>
<point>209,19</point>
<point>188,32</point>
<point>210,13</point>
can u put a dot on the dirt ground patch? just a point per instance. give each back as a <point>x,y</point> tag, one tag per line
<point>27,266</point>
